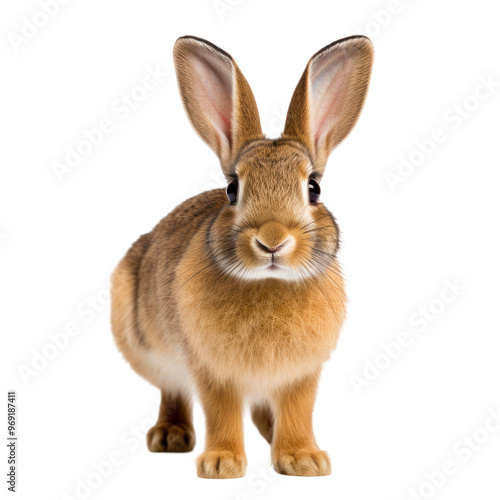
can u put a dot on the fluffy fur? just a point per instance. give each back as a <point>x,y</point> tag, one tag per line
<point>244,301</point>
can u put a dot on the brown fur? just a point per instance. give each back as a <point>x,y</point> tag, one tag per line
<point>174,429</point>
<point>356,52</point>
<point>192,314</point>
<point>294,448</point>
<point>245,115</point>
<point>263,418</point>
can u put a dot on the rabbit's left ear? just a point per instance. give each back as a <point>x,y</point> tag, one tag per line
<point>329,97</point>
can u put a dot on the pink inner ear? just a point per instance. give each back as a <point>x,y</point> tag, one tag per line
<point>215,91</point>
<point>329,76</point>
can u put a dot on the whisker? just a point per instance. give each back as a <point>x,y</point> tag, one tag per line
<point>299,219</point>
<point>325,253</point>
<point>327,263</point>
<point>317,229</point>
<point>315,220</point>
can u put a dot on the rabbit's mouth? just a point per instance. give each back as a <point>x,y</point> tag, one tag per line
<point>273,267</point>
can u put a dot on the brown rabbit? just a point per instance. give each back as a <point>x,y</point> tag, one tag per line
<point>237,294</point>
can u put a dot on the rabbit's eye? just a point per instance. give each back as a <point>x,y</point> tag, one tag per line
<point>314,191</point>
<point>232,190</point>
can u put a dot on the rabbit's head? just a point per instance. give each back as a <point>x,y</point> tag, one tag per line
<point>274,224</point>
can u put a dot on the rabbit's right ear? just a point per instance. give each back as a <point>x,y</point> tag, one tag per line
<point>217,98</point>
<point>329,97</point>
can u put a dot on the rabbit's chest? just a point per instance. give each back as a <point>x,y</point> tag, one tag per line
<point>260,333</point>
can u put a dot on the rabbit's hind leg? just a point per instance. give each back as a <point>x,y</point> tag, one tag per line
<point>263,418</point>
<point>174,431</point>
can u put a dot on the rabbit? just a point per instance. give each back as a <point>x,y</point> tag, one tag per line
<point>237,296</point>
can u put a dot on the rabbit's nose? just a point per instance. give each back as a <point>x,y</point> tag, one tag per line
<point>272,237</point>
<point>265,248</point>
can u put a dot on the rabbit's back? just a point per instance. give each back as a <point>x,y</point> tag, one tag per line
<point>144,316</point>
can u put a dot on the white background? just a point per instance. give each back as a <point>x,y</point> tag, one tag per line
<point>60,240</point>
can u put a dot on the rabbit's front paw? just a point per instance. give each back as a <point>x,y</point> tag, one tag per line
<point>221,464</point>
<point>302,462</point>
<point>169,437</point>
